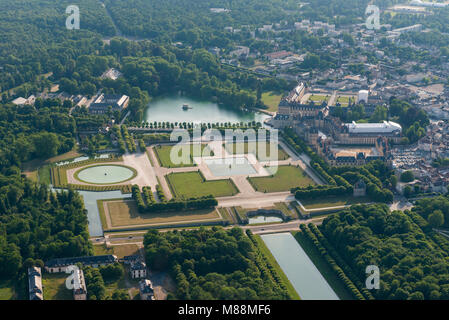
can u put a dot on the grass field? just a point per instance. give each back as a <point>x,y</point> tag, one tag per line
<point>120,251</point>
<point>344,100</point>
<point>44,174</point>
<point>324,268</point>
<point>235,148</point>
<point>284,179</point>
<point>192,184</point>
<point>318,98</point>
<point>163,155</point>
<point>271,99</point>
<point>54,287</point>
<point>6,291</point>
<point>125,213</point>
<point>267,253</point>
<point>332,202</point>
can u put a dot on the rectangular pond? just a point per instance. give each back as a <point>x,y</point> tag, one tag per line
<point>93,215</point>
<point>232,166</point>
<point>299,269</point>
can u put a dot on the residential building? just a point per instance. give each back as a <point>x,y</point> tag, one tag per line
<point>79,290</point>
<point>103,103</point>
<point>35,284</point>
<point>138,269</point>
<point>61,264</point>
<point>146,290</point>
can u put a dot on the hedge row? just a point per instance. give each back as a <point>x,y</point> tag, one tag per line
<point>181,205</point>
<point>267,270</point>
<point>138,197</point>
<point>340,262</point>
<point>317,167</point>
<point>128,139</point>
<point>148,195</point>
<point>160,193</point>
<point>142,145</point>
<point>299,144</point>
<point>320,191</point>
<point>121,142</point>
<point>123,188</point>
<point>172,205</point>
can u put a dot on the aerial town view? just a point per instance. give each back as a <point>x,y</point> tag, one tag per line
<point>224,150</point>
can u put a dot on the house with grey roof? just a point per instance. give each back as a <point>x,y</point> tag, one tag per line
<point>35,284</point>
<point>61,264</point>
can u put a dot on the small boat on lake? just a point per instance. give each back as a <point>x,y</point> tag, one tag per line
<point>186,107</point>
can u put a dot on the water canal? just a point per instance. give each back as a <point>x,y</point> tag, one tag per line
<point>299,269</point>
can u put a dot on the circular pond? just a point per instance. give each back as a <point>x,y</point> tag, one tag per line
<point>105,174</point>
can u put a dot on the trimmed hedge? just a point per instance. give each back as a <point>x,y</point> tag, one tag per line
<point>332,263</point>
<point>340,262</point>
<point>320,191</point>
<point>172,205</point>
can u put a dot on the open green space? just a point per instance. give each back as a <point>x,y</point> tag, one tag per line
<point>193,185</point>
<point>125,212</point>
<point>6,290</point>
<point>285,178</point>
<point>163,153</point>
<point>336,284</point>
<point>271,260</point>
<point>344,100</point>
<point>271,99</point>
<point>54,287</point>
<point>238,147</point>
<point>333,202</point>
<point>318,98</point>
<point>120,251</point>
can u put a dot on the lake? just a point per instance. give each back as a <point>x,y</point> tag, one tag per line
<point>299,269</point>
<point>170,109</point>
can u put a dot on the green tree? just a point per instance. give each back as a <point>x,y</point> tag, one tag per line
<point>436,219</point>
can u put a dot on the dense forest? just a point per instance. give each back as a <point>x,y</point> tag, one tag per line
<point>411,257</point>
<point>212,264</point>
<point>38,224</point>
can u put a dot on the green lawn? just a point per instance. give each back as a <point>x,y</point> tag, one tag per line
<point>333,202</point>
<point>163,155</point>
<point>235,148</point>
<point>286,178</point>
<point>344,100</point>
<point>6,291</point>
<point>318,98</point>
<point>267,253</point>
<point>271,99</point>
<point>55,288</point>
<point>44,175</point>
<point>325,269</point>
<point>192,184</point>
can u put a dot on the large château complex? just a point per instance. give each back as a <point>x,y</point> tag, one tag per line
<point>339,143</point>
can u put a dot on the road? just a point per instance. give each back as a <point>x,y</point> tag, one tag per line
<point>137,237</point>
